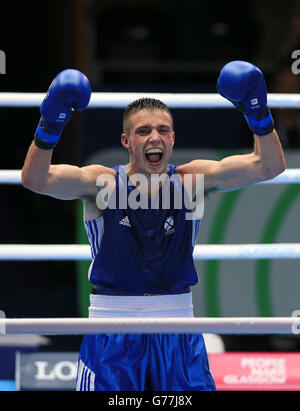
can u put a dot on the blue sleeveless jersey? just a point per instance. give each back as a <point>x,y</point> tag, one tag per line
<point>143,251</point>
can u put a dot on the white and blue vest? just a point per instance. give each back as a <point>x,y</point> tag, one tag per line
<point>143,251</point>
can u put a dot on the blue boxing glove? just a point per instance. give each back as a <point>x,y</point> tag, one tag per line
<point>70,91</point>
<point>243,84</point>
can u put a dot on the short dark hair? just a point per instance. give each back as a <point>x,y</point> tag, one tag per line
<point>145,103</point>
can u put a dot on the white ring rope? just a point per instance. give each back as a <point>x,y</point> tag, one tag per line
<point>10,177</point>
<point>81,252</point>
<point>80,326</point>
<point>173,100</point>
<point>289,176</point>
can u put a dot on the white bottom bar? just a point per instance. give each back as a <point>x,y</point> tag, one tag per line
<point>80,326</point>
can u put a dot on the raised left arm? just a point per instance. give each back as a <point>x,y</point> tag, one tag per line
<point>243,84</point>
<point>238,171</point>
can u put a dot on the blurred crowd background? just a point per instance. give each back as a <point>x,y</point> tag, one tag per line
<point>123,45</point>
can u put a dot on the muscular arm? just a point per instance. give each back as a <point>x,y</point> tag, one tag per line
<point>234,172</point>
<point>65,182</point>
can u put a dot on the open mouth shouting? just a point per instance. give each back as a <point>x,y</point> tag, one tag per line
<point>154,157</point>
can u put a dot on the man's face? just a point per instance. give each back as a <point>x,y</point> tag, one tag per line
<point>150,141</point>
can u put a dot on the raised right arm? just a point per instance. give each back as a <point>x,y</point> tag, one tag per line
<point>70,91</point>
<point>62,181</point>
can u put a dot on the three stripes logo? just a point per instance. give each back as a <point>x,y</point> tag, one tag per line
<point>125,221</point>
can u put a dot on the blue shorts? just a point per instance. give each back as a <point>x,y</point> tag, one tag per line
<point>144,362</point>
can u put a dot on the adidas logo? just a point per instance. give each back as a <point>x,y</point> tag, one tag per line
<point>125,221</point>
<point>169,226</point>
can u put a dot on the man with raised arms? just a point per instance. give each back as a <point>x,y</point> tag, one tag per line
<point>142,258</point>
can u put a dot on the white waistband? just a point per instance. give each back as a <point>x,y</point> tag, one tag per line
<point>179,305</point>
